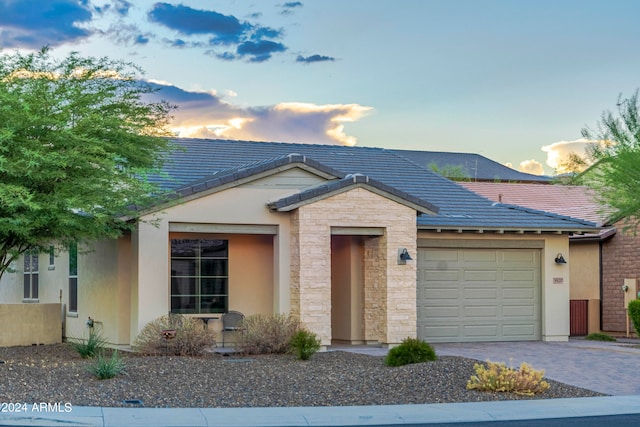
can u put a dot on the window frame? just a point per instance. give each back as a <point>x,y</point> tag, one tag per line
<point>31,276</point>
<point>73,279</point>
<point>192,269</point>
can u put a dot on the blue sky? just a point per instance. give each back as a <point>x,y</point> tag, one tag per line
<point>514,80</point>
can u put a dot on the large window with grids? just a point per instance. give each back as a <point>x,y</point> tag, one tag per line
<point>31,276</point>
<point>199,276</point>
<point>73,278</point>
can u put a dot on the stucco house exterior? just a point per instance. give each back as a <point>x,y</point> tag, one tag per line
<point>321,232</point>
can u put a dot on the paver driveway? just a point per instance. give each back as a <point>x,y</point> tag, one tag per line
<point>610,368</point>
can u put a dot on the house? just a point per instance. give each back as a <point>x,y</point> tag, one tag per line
<point>362,244</point>
<point>597,273</point>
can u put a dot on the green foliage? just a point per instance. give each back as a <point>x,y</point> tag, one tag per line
<point>190,338</point>
<point>76,137</point>
<point>267,333</point>
<point>498,377</point>
<point>613,161</point>
<point>411,350</point>
<point>90,347</point>
<point>452,172</point>
<point>634,315</point>
<point>105,368</point>
<point>304,344</point>
<point>599,337</point>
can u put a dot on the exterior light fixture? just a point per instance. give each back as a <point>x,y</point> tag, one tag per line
<point>560,259</point>
<point>404,257</point>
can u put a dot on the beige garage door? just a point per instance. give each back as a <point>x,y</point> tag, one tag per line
<point>478,294</point>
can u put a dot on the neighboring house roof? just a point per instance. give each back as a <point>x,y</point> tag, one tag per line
<point>474,166</point>
<point>574,201</point>
<point>204,164</point>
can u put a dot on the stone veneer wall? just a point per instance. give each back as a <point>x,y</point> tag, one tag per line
<point>390,289</point>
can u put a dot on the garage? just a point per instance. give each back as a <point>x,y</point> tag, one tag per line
<point>467,294</point>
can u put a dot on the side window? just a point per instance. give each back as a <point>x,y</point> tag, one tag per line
<point>52,258</point>
<point>73,278</point>
<point>31,275</point>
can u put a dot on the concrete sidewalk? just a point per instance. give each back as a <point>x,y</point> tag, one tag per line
<point>330,416</point>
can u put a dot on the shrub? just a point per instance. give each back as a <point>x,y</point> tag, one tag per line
<point>105,368</point>
<point>90,347</point>
<point>411,350</point>
<point>634,314</point>
<point>304,344</point>
<point>498,377</point>
<point>599,337</point>
<point>267,333</point>
<point>190,338</point>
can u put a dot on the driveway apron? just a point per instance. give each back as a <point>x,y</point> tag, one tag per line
<point>609,368</point>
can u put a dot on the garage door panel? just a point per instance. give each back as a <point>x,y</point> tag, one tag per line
<point>444,331</point>
<point>520,332</point>
<point>518,275</point>
<point>480,331</point>
<point>442,276</point>
<point>443,312</point>
<point>479,311</point>
<point>442,293</point>
<point>519,293</point>
<point>480,275</point>
<point>482,257</point>
<point>478,294</point>
<point>518,311</point>
<point>440,255</point>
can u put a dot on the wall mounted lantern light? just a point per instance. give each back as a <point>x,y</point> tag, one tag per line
<point>560,259</point>
<point>404,257</point>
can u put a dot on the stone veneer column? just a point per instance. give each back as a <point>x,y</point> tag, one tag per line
<point>390,289</point>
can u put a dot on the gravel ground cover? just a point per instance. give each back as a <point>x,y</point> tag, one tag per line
<point>56,373</point>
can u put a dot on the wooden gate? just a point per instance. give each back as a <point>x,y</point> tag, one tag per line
<point>579,317</point>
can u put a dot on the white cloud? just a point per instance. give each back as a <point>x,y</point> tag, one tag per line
<point>204,114</point>
<point>559,153</point>
<point>531,166</point>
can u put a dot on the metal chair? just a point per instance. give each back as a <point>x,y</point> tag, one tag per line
<point>231,322</point>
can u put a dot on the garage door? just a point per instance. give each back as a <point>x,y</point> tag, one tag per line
<point>478,294</point>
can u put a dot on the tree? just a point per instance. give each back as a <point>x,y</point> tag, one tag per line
<point>615,160</point>
<point>77,137</point>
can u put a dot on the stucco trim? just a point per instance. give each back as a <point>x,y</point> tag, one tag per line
<point>184,227</point>
<point>357,231</point>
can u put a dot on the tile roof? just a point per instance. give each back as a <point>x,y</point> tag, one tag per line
<point>574,201</point>
<point>201,161</point>
<point>474,166</point>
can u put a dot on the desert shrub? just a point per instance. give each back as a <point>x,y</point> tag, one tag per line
<point>267,333</point>
<point>499,377</point>
<point>190,338</point>
<point>634,314</point>
<point>106,367</point>
<point>599,337</point>
<point>411,350</point>
<point>91,347</point>
<point>304,344</point>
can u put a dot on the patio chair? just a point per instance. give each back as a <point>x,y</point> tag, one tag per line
<point>231,322</point>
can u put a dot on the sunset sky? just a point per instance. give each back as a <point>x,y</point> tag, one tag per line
<point>514,81</point>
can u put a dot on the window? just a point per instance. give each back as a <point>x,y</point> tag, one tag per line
<point>199,276</point>
<point>73,278</point>
<point>52,258</point>
<point>31,275</point>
